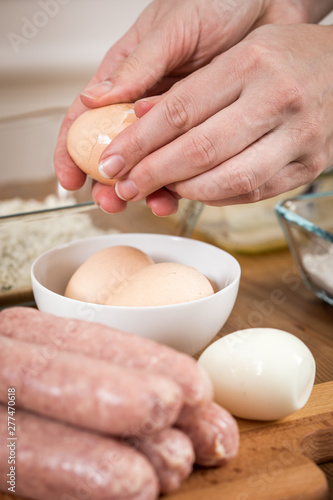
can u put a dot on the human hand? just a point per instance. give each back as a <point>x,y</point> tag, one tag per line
<point>170,39</point>
<point>266,130</point>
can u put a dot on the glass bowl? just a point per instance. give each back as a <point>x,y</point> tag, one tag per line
<point>36,213</point>
<point>307,222</point>
<point>252,228</point>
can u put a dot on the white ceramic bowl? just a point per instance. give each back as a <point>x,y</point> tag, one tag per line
<point>188,327</point>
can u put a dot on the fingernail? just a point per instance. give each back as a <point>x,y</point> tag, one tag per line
<point>157,215</point>
<point>144,99</point>
<point>110,166</point>
<point>127,191</point>
<point>171,187</point>
<point>98,90</point>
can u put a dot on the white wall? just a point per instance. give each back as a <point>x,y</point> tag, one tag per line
<point>50,48</point>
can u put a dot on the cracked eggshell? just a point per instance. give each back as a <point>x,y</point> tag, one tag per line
<point>260,373</point>
<point>92,131</point>
<point>161,284</point>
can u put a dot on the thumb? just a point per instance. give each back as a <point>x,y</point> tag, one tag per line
<point>142,70</point>
<point>100,84</point>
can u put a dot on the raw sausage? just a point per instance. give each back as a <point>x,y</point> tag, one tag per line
<point>87,392</point>
<point>171,453</point>
<point>100,341</point>
<point>55,461</point>
<point>213,431</point>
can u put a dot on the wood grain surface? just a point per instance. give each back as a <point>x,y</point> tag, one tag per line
<point>277,460</point>
<point>273,295</point>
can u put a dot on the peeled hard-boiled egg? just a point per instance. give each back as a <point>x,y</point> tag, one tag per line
<point>92,131</point>
<point>94,280</point>
<point>260,373</point>
<point>163,283</point>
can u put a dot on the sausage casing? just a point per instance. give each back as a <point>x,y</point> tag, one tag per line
<point>171,453</point>
<point>87,392</point>
<point>213,431</point>
<point>100,341</point>
<point>55,461</point>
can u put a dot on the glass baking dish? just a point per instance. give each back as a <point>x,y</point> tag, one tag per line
<point>36,213</point>
<point>307,223</point>
<point>252,228</point>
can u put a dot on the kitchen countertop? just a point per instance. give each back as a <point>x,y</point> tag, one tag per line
<point>272,295</point>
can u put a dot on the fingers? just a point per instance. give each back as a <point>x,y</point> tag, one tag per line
<point>106,198</point>
<point>144,105</point>
<point>253,174</point>
<point>179,110</point>
<point>69,175</point>
<point>290,177</point>
<point>148,53</point>
<point>99,91</point>
<point>230,146</point>
<point>265,169</point>
<point>163,202</point>
<point>170,39</point>
<point>224,133</point>
<point>201,149</point>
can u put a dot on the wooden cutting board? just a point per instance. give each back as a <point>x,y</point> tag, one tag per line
<point>276,461</point>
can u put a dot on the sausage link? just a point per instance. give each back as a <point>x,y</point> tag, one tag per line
<point>55,461</point>
<point>213,431</point>
<point>87,392</point>
<point>171,453</point>
<point>100,341</point>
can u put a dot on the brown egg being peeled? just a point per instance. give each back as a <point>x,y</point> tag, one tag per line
<point>96,278</point>
<point>91,133</point>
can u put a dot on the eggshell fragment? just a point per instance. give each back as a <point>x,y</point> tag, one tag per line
<point>161,284</point>
<point>104,270</point>
<point>260,373</point>
<point>92,131</point>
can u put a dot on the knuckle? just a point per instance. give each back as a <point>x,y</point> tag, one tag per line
<point>315,165</point>
<point>285,94</point>
<point>306,137</point>
<point>125,74</point>
<point>252,196</point>
<point>133,144</point>
<point>257,54</point>
<point>309,132</point>
<point>131,64</point>
<point>288,98</point>
<point>200,150</point>
<point>243,182</point>
<point>177,111</point>
<point>148,178</point>
<point>319,163</point>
